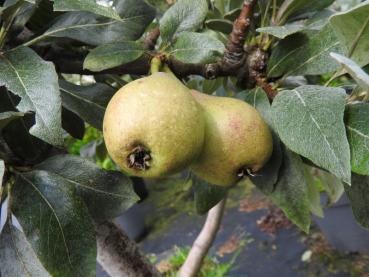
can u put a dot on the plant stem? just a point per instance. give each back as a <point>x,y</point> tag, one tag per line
<point>203,242</point>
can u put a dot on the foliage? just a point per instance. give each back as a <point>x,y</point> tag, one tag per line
<point>50,199</point>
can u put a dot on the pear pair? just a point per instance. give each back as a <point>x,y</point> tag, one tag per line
<point>155,126</point>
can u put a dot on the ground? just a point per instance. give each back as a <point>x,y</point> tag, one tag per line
<point>255,238</point>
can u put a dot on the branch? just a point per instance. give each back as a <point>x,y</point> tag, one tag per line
<point>233,58</point>
<point>120,256</point>
<point>203,242</point>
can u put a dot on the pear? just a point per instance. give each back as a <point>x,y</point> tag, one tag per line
<point>237,140</point>
<point>153,126</point>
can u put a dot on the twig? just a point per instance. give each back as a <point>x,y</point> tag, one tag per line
<point>151,39</point>
<point>203,242</point>
<point>120,256</point>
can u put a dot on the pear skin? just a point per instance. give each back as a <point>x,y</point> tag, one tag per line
<point>153,126</point>
<point>237,140</point>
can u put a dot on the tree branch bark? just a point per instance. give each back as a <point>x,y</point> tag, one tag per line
<point>203,242</point>
<point>120,256</point>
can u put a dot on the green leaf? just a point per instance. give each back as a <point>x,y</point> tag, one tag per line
<point>309,120</point>
<point>88,102</point>
<point>73,124</point>
<point>281,31</point>
<point>196,48</point>
<point>87,27</point>
<point>220,25</point>
<point>207,195</point>
<point>184,15</point>
<point>352,29</point>
<point>17,257</point>
<point>331,185</point>
<point>291,191</point>
<point>291,8</point>
<point>313,193</point>
<point>107,193</point>
<point>358,135</point>
<point>360,76</point>
<point>94,6</point>
<point>56,223</point>
<point>259,100</point>
<point>358,193</point>
<point>267,177</point>
<point>7,117</point>
<point>113,54</point>
<point>308,57</point>
<point>36,82</point>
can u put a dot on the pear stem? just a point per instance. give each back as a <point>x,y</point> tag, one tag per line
<point>155,65</point>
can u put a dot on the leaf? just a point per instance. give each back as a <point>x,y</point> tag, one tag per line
<point>2,172</point>
<point>87,27</point>
<point>220,25</point>
<point>358,193</point>
<point>331,185</point>
<point>206,195</point>
<point>184,15</point>
<point>313,193</point>
<point>196,48</point>
<point>291,191</point>
<point>7,117</point>
<point>35,81</point>
<point>113,54</point>
<point>94,6</point>
<point>88,102</point>
<point>310,57</point>
<point>259,100</point>
<point>358,136</point>
<point>291,8</point>
<point>56,223</point>
<point>352,30</point>
<point>281,31</point>
<point>73,124</point>
<point>360,76</point>
<point>309,120</point>
<point>17,257</point>
<point>107,193</point>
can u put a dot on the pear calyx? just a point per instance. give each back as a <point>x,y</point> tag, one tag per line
<point>139,158</point>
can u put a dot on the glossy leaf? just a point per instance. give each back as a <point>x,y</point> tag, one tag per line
<point>17,257</point>
<point>360,76</point>
<point>291,191</point>
<point>107,193</point>
<point>87,27</point>
<point>309,120</point>
<point>25,74</point>
<point>7,117</point>
<point>73,124</point>
<point>207,195</point>
<point>220,25</point>
<point>281,31</point>
<point>358,135</point>
<point>352,29</point>
<point>291,8</point>
<point>94,6</point>
<point>88,102</point>
<point>56,223</point>
<point>197,48</point>
<point>358,193</point>
<point>112,55</point>
<point>184,15</point>
<point>309,56</point>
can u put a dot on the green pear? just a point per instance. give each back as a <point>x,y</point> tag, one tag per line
<point>238,142</point>
<point>153,126</point>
